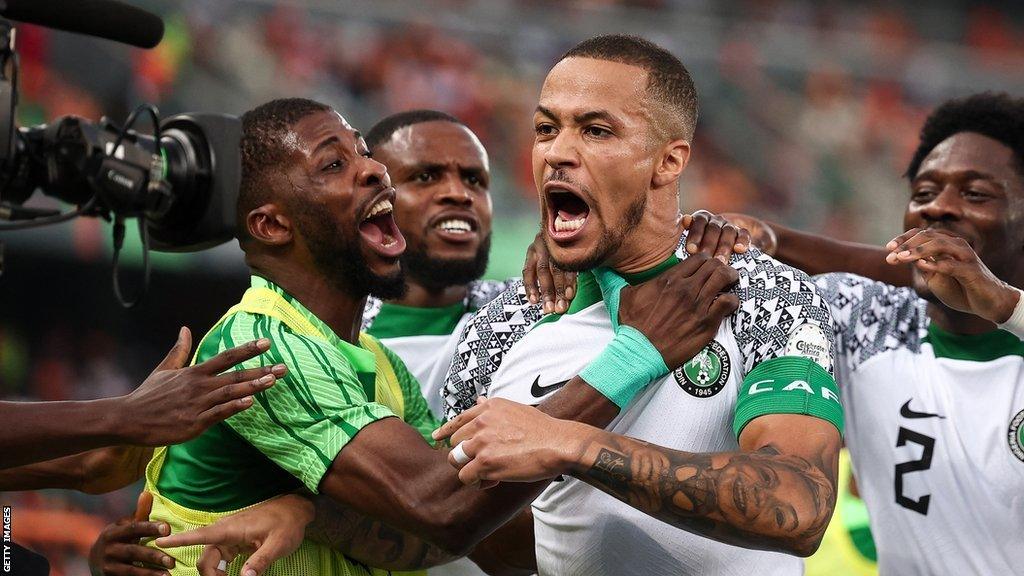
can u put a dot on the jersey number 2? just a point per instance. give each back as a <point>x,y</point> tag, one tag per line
<point>923,463</point>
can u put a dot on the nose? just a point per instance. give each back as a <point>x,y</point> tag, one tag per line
<point>561,152</point>
<point>373,174</point>
<point>454,191</point>
<point>945,206</point>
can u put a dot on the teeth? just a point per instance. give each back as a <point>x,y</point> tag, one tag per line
<point>455,226</point>
<point>568,225</point>
<point>382,207</point>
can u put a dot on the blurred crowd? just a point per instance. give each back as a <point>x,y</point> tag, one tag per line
<point>809,111</point>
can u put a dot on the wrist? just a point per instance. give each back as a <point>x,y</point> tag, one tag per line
<point>116,421</point>
<point>570,446</point>
<point>627,364</point>
<point>1009,298</point>
<point>1014,321</point>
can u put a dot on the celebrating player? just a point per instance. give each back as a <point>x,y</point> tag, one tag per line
<point>750,426</point>
<point>348,421</point>
<point>934,392</point>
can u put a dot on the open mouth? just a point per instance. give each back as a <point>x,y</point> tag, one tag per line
<point>378,228</point>
<point>567,211</point>
<point>455,227</point>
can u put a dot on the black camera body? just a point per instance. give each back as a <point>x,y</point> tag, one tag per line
<point>181,182</point>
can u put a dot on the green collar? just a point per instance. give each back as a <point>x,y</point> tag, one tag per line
<point>395,320</point>
<point>588,292</point>
<point>363,361</point>
<point>976,347</point>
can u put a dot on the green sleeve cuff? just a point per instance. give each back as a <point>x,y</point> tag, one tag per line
<point>788,385</point>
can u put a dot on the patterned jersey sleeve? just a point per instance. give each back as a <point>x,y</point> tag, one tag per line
<point>487,337</point>
<point>482,292</point>
<point>786,337</point>
<point>871,316</point>
<point>370,312</point>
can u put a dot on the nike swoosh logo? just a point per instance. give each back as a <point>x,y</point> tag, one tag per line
<point>539,391</point>
<point>906,412</point>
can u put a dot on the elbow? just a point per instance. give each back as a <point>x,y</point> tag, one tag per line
<point>803,546</point>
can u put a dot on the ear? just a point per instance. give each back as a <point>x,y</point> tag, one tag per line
<point>268,225</point>
<point>674,158</point>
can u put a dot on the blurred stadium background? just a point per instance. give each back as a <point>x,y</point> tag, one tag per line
<point>809,113</point>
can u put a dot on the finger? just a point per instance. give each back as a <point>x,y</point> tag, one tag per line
<point>452,426</point>
<point>214,561</point>
<point>687,220</point>
<point>143,506</point>
<point>936,248</point>
<point>558,277</point>
<point>177,357</point>
<point>118,569</point>
<point>712,234</point>
<point>726,243</point>
<point>547,285</point>
<point>470,473</point>
<point>225,393</point>
<point>720,281</point>
<point>135,529</point>
<point>237,355</point>
<point>212,534</point>
<point>530,276</point>
<point>695,233</point>
<point>570,285</point>
<point>892,244</point>
<point>271,550</point>
<point>463,453</point>
<point>742,241</point>
<point>239,376</point>
<point>684,269</point>
<point>944,267</point>
<point>723,306</point>
<point>130,553</point>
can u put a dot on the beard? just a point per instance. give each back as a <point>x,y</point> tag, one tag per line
<point>341,261</point>
<point>609,242</point>
<point>439,273</point>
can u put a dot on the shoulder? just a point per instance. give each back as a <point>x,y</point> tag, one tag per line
<point>873,317</point>
<point>492,331</point>
<point>481,292</point>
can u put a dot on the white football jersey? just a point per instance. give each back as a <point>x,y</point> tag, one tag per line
<point>427,355</point>
<point>934,428</point>
<point>509,351</point>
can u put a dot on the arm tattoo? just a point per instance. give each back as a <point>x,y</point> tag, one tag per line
<point>763,499</point>
<point>370,541</point>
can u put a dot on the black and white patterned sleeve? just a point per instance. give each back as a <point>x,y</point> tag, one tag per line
<point>871,316</point>
<point>485,340</point>
<point>481,292</point>
<point>370,312</point>
<point>781,313</point>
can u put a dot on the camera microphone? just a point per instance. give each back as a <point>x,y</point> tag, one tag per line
<point>102,18</point>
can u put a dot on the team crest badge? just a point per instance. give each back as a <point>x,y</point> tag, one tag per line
<point>1016,436</point>
<point>705,374</point>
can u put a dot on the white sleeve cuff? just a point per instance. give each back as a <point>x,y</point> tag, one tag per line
<point>1015,324</point>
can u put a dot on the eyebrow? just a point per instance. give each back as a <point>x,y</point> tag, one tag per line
<point>963,175</point>
<point>326,143</point>
<point>585,117</point>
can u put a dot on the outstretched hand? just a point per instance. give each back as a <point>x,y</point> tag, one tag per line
<point>175,403</point>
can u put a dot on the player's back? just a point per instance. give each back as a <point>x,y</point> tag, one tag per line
<point>933,424</point>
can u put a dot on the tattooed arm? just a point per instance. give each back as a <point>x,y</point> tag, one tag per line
<point>371,541</point>
<point>775,493</point>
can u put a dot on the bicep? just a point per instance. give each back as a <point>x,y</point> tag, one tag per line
<point>809,438</point>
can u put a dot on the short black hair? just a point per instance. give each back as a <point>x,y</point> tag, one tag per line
<point>996,115</point>
<point>262,147</point>
<point>669,83</point>
<point>386,127</point>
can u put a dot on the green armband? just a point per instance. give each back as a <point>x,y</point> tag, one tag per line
<point>788,385</point>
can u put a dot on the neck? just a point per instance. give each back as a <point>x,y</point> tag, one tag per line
<point>958,322</point>
<point>650,243</point>
<point>419,296</point>
<point>341,311</point>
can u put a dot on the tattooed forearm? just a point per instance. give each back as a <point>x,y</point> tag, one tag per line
<point>761,499</point>
<point>370,541</point>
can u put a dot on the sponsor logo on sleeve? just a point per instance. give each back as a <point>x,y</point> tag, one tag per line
<point>809,341</point>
